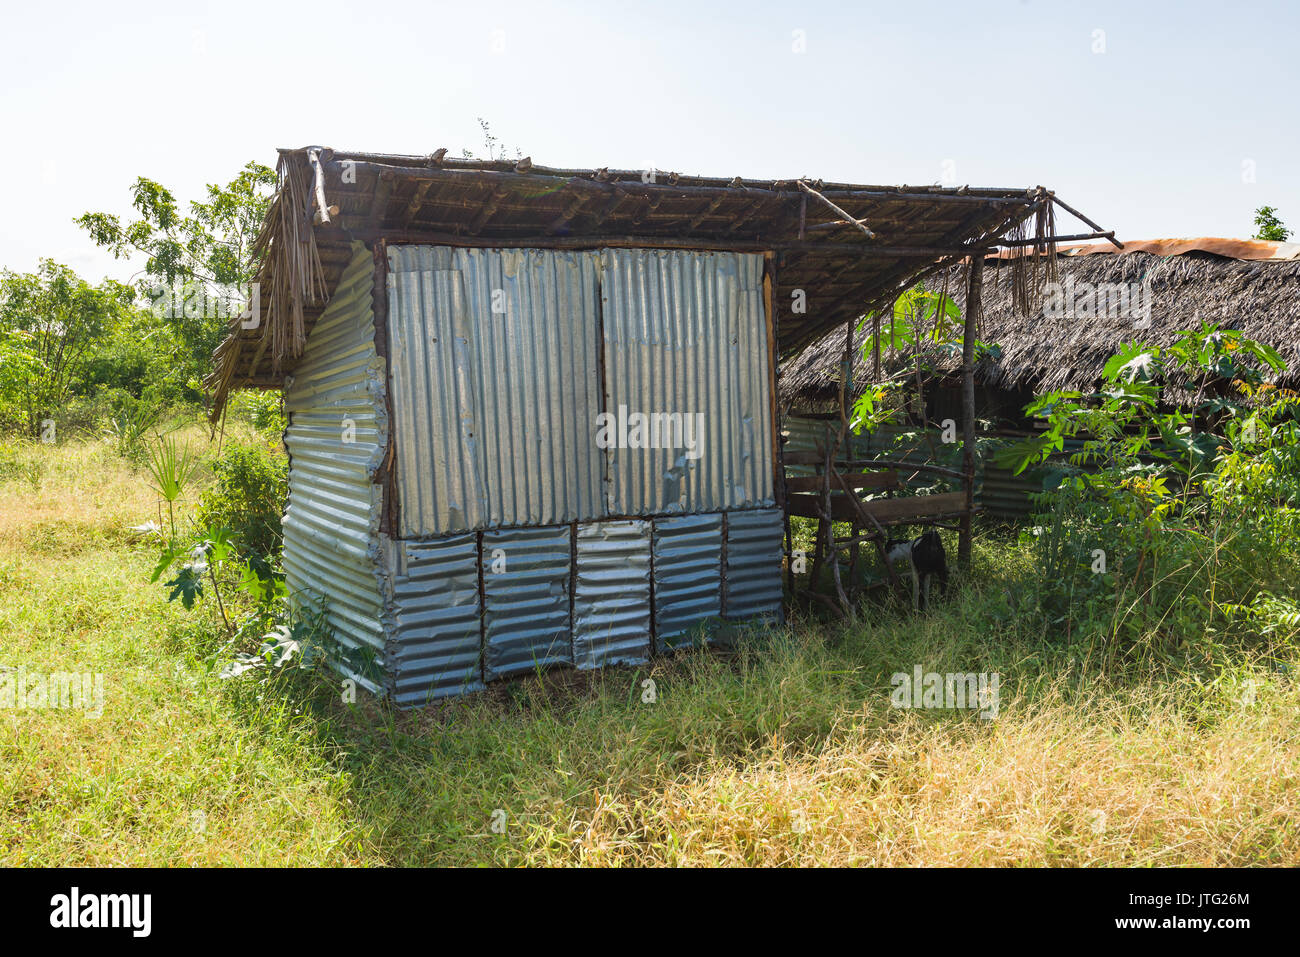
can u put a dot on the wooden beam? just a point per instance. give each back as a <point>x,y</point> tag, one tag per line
<point>569,212</point>
<point>974,290</point>
<point>1086,221</point>
<point>855,480</point>
<point>913,510</point>
<point>379,204</point>
<point>488,209</point>
<point>413,207</point>
<point>1073,238</point>
<point>849,250</point>
<point>318,188</point>
<point>837,210</point>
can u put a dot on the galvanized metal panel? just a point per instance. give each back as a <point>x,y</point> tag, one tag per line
<point>526,581</point>
<point>687,578</point>
<point>495,385</point>
<point>997,491</point>
<point>686,332</point>
<point>437,646</point>
<point>611,603</point>
<point>754,555</point>
<point>336,438</point>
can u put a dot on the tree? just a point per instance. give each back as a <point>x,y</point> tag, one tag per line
<point>210,249</point>
<point>1269,226</point>
<point>49,322</point>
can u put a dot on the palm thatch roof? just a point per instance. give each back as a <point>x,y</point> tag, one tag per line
<point>1249,285</point>
<point>845,246</point>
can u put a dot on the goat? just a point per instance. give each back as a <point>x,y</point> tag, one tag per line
<point>925,558</point>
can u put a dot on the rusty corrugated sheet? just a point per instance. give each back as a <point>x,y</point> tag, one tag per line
<point>685,333</point>
<point>331,524</point>
<point>1261,250</point>
<point>687,577</point>
<point>436,649</point>
<point>495,377</point>
<point>754,558</point>
<point>526,574</point>
<point>611,606</point>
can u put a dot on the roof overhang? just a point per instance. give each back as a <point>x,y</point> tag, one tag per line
<point>848,247</point>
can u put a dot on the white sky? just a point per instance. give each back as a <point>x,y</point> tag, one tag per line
<point>1151,137</point>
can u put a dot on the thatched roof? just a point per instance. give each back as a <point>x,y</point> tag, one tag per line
<point>1249,285</point>
<point>379,198</point>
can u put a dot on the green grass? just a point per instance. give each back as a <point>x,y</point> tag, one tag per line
<point>785,752</point>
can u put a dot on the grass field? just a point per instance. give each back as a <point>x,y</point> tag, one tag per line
<point>787,752</point>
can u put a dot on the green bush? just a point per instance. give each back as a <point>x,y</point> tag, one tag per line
<point>248,498</point>
<point>260,409</point>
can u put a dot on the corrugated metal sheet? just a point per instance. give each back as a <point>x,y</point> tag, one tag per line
<point>687,578</point>
<point>1247,249</point>
<point>526,574</point>
<point>611,606</point>
<point>495,372</point>
<point>331,524</point>
<point>998,492</point>
<point>1006,495</point>
<point>754,558</point>
<point>805,433</point>
<point>685,332</point>
<point>437,641</point>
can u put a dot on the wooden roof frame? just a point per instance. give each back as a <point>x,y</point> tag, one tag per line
<point>849,247</point>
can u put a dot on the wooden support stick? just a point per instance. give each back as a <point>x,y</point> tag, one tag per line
<point>974,290</point>
<point>869,519</point>
<point>838,211</point>
<point>318,186</point>
<point>1084,219</point>
<point>1072,238</point>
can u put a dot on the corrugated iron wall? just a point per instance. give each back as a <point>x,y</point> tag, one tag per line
<point>437,641</point>
<point>526,582</point>
<point>495,371</point>
<point>611,606</point>
<point>517,548</point>
<point>685,332</point>
<point>631,579</point>
<point>336,437</point>
<point>754,552</point>
<point>688,578</point>
<point>497,384</point>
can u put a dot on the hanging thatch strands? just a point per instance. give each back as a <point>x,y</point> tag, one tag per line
<point>289,274</point>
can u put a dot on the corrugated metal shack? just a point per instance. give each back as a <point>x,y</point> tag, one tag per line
<point>532,411</point>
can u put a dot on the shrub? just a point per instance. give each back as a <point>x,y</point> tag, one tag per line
<point>1165,524</point>
<point>248,498</point>
<point>262,410</point>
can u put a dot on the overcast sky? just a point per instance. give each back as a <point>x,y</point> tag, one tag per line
<point>1156,119</point>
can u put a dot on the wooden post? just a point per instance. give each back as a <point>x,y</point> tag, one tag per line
<point>974,287</point>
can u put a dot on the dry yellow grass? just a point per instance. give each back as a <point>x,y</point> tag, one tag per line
<point>790,754</point>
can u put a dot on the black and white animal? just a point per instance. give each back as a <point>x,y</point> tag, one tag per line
<point>925,557</point>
